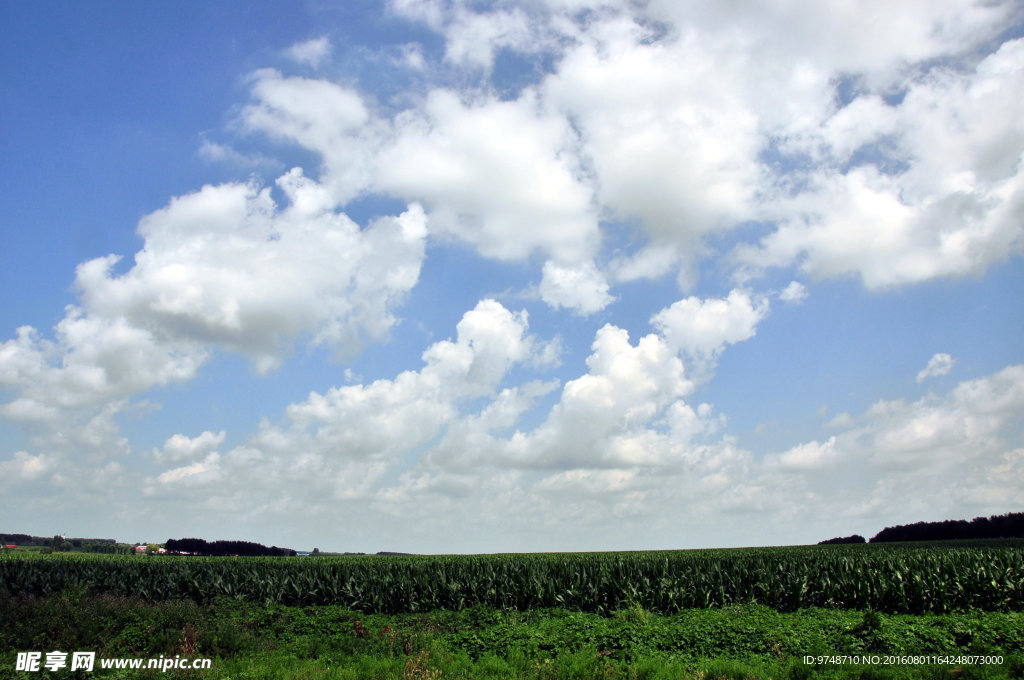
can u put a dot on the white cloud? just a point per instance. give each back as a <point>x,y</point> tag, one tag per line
<point>973,417</point>
<point>666,130</point>
<point>179,447</point>
<point>312,52</point>
<point>430,12</point>
<point>931,453</point>
<point>471,442</point>
<point>25,467</point>
<point>490,340</point>
<point>474,38</point>
<point>225,267</point>
<point>939,433</point>
<point>383,419</point>
<point>842,420</point>
<point>939,365</point>
<point>650,262</point>
<point>601,418</point>
<point>999,485</point>
<point>625,413</point>
<point>952,206</point>
<point>315,113</point>
<point>702,328</point>
<point>670,118</point>
<point>321,116</point>
<point>679,108</point>
<point>222,153</point>
<point>200,472</point>
<point>794,293</point>
<point>494,174</point>
<point>339,445</point>
<point>877,38</point>
<point>591,482</point>
<point>582,288</point>
<point>810,456</point>
<point>502,176</point>
<point>94,359</point>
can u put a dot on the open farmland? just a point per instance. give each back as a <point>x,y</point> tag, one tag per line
<point>738,613</point>
<point>896,579</point>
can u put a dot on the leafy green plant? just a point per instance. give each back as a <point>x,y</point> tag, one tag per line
<point>890,579</point>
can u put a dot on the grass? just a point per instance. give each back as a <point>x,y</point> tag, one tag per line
<point>250,641</point>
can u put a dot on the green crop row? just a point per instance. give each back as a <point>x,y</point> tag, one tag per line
<point>895,579</point>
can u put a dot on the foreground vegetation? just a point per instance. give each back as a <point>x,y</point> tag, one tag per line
<point>711,614</point>
<point>247,640</point>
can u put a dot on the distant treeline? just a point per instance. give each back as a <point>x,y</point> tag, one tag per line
<point>856,538</point>
<point>197,546</point>
<point>62,544</point>
<point>1010,525</point>
<point>18,539</point>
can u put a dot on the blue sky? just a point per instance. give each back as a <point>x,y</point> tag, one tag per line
<point>440,276</point>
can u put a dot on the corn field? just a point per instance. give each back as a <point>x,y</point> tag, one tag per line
<point>889,579</point>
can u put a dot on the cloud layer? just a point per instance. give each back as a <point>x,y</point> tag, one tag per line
<point>597,150</point>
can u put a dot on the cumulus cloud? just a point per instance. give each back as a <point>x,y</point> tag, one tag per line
<point>693,119</point>
<point>651,262</point>
<point>702,328</point>
<point>877,37</point>
<point>369,426</point>
<point>842,420</point>
<point>311,52</point>
<point>473,440</point>
<point>499,175</point>
<point>474,38</point>
<point>967,423</point>
<point>939,365</point>
<point>324,117</point>
<point>24,467</point>
<point>621,428</point>
<point>619,441</point>
<point>945,200</point>
<point>582,288</point>
<point>897,164</point>
<point>91,361</point>
<point>810,456</point>
<point>900,453</point>
<point>351,443</point>
<point>200,472</point>
<point>224,268</point>
<point>670,138</point>
<point>473,35</point>
<point>601,418</point>
<point>179,447</point>
<point>495,174</point>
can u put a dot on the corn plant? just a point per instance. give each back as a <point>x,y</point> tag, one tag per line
<point>896,579</point>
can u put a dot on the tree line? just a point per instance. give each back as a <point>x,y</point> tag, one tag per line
<point>1010,525</point>
<point>198,546</point>
<point>62,544</point>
